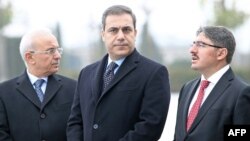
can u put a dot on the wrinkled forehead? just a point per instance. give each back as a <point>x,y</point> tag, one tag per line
<point>45,41</point>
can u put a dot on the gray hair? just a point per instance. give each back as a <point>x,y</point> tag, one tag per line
<point>28,40</point>
<point>220,36</point>
<point>117,10</point>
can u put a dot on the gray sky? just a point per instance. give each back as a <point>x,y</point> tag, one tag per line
<point>171,21</point>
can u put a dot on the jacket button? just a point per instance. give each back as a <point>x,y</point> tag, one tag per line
<point>95,126</point>
<point>42,115</point>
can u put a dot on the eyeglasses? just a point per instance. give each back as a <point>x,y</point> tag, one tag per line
<point>50,51</point>
<point>201,44</point>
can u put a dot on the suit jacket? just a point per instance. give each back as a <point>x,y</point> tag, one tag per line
<point>228,103</point>
<point>24,118</point>
<point>133,107</point>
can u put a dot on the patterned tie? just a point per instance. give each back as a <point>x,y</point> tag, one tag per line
<point>38,89</point>
<point>109,74</point>
<point>195,108</point>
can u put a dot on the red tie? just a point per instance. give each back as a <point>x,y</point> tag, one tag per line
<point>195,108</point>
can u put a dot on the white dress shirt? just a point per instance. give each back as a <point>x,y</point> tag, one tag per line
<point>33,79</point>
<point>213,81</point>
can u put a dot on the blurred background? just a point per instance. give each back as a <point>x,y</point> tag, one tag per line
<point>166,29</point>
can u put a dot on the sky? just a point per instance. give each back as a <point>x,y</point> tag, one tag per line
<point>171,21</point>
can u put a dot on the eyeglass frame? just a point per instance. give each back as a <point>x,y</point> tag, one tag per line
<point>50,51</point>
<point>203,44</point>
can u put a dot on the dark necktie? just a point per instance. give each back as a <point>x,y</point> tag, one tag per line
<point>38,89</point>
<point>109,74</point>
<point>195,108</point>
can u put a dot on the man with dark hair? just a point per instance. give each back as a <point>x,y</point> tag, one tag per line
<point>218,97</point>
<point>124,96</point>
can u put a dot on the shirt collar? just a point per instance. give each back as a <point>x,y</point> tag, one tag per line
<point>33,78</point>
<point>216,76</point>
<point>118,62</point>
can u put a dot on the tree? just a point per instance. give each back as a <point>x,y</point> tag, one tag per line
<point>228,16</point>
<point>5,14</point>
<point>148,47</point>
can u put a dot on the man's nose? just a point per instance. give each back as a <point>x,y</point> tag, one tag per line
<point>57,54</point>
<point>120,34</point>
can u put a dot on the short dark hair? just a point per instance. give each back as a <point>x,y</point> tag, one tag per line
<point>220,36</point>
<point>117,10</point>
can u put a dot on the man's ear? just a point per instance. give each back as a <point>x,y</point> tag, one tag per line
<point>102,34</point>
<point>222,53</point>
<point>29,58</point>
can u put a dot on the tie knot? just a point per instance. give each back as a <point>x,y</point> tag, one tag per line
<point>204,84</point>
<point>112,66</point>
<point>39,83</point>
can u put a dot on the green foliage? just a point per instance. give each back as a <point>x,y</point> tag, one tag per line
<point>229,17</point>
<point>226,16</point>
<point>5,14</point>
<point>243,73</point>
<point>180,72</point>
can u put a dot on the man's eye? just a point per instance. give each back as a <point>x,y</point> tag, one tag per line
<point>201,45</point>
<point>51,50</point>
<point>113,30</point>
<point>126,30</point>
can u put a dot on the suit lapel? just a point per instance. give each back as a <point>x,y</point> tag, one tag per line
<point>127,66</point>
<point>190,95</point>
<point>98,78</point>
<point>53,85</point>
<point>217,92</point>
<point>25,88</point>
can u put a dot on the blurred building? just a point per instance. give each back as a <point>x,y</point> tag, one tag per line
<point>11,61</point>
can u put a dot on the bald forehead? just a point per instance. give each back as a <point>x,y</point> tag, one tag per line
<point>39,35</point>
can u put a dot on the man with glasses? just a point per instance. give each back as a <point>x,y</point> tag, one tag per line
<point>222,99</point>
<point>35,105</point>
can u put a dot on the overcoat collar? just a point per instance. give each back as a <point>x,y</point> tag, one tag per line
<point>127,66</point>
<point>24,86</point>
